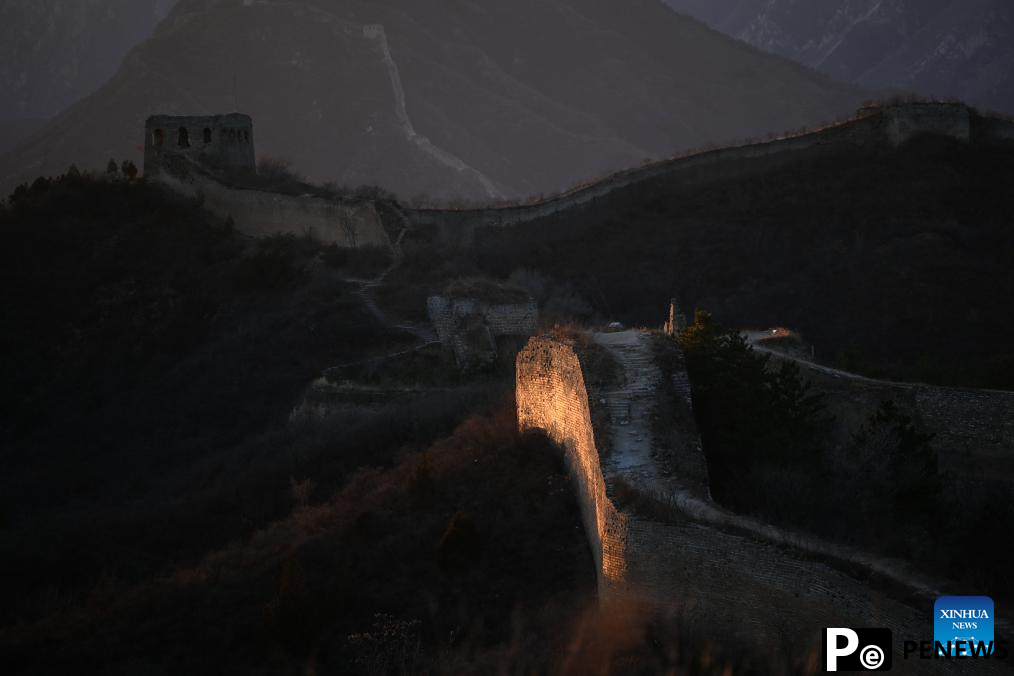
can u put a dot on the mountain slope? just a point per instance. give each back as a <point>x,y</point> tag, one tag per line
<point>13,132</point>
<point>54,52</point>
<point>481,99</point>
<point>947,48</point>
<point>893,262</point>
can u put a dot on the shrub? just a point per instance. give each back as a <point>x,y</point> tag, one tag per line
<point>897,463</point>
<point>129,169</point>
<point>747,412</point>
<point>278,170</point>
<point>273,265</point>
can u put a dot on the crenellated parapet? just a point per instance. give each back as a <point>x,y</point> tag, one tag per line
<point>222,143</point>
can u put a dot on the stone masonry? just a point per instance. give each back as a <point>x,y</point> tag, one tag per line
<point>470,326</point>
<point>217,142</point>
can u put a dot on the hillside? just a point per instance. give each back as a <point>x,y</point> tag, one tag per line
<point>482,100</point>
<point>55,52</point>
<point>890,261</point>
<point>159,511</point>
<point>943,48</point>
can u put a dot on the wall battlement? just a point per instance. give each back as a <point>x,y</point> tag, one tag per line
<point>188,155</point>
<point>217,142</point>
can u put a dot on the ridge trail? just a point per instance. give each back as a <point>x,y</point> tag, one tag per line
<point>377,32</point>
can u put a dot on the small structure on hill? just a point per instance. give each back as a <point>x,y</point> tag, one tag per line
<point>212,158</point>
<point>471,315</point>
<point>221,143</point>
<point>906,120</point>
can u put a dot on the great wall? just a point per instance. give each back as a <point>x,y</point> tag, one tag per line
<point>260,212</point>
<point>892,125</point>
<point>973,429</point>
<point>721,572</point>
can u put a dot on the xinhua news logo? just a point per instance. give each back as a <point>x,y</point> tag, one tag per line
<point>962,630</point>
<point>857,649</point>
<point>963,625</point>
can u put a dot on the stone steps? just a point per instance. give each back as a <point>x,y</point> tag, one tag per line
<point>630,407</point>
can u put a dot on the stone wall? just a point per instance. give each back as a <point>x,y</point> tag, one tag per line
<point>973,429</point>
<point>259,213</point>
<point>223,142</point>
<point>551,397</point>
<point>470,326</point>
<point>726,575</point>
<point>458,226</point>
<point>893,124</point>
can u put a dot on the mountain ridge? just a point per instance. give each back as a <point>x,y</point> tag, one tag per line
<point>56,52</point>
<point>568,90</point>
<point>942,48</point>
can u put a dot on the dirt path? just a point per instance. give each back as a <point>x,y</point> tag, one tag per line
<point>367,287</point>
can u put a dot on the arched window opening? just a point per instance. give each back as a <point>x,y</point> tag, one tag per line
<point>184,138</point>
<point>207,136</point>
<point>158,138</point>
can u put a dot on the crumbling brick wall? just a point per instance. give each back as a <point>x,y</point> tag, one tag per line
<point>260,213</point>
<point>470,327</point>
<point>551,397</point>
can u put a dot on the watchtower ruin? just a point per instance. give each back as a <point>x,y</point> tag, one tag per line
<point>221,143</point>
